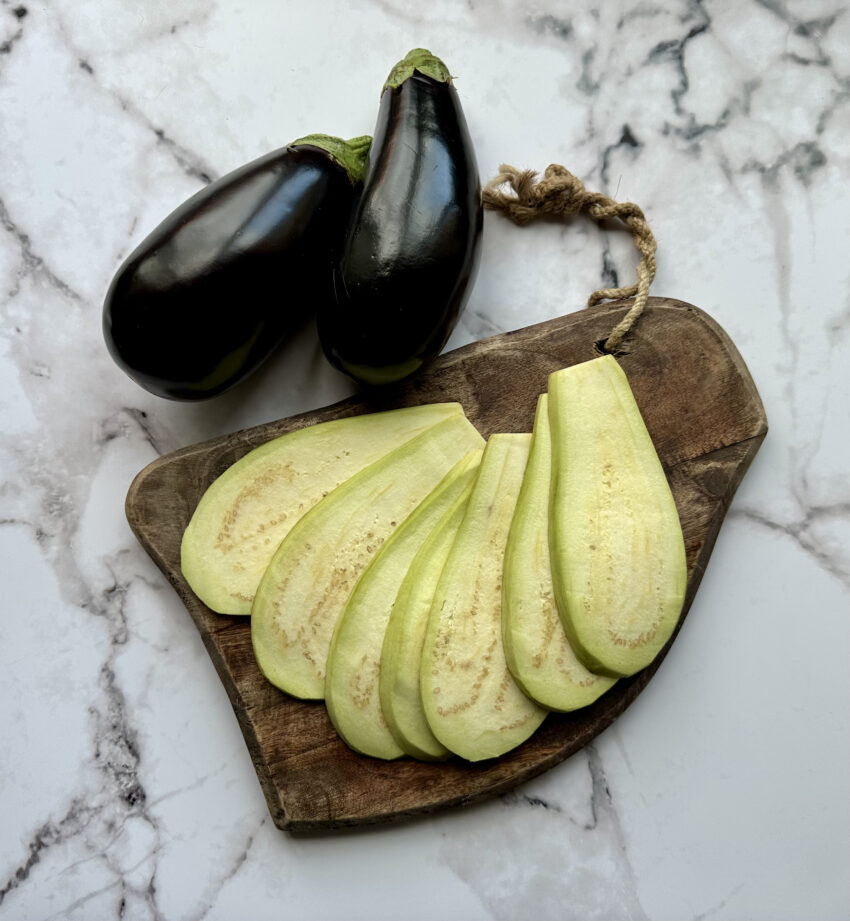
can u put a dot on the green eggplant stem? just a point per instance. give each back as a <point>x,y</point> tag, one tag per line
<point>351,155</point>
<point>420,60</point>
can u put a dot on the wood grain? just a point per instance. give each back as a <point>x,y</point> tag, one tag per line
<point>707,421</point>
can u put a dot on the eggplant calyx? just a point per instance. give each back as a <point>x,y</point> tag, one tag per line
<point>419,60</point>
<point>351,155</point>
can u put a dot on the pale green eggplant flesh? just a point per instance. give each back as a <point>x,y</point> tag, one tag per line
<point>245,514</point>
<point>313,573</point>
<point>471,702</point>
<point>354,659</point>
<point>618,555</point>
<point>401,655</point>
<point>537,650</point>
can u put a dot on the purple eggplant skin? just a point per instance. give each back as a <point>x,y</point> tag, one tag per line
<point>217,286</point>
<point>412,248</point>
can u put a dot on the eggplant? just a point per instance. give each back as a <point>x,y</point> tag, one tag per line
<point>411,251</point>
<point>210,293</point>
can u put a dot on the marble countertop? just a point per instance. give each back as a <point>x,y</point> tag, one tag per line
<point>126,790</point>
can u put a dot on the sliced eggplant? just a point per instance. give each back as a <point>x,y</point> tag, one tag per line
<point>354,660</point>
<point>213,290</point>
<point>618,555</point>
<point>313,573</point>
<point>538,652</point>
<point>472,703</point>
<point>245,514</point>
<point>411,250</point>
<point>401,655</point>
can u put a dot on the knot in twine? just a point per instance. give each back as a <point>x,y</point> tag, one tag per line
<point>561,194</point>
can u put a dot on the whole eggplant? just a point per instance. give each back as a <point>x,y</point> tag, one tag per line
<point>214,289</point>
<point>412,246</point>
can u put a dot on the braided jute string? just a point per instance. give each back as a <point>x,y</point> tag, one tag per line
<point>560,193</point>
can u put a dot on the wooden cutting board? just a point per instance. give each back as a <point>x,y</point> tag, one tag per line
<point>707,421</point>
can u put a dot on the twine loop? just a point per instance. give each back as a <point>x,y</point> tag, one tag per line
<point>561,194</point>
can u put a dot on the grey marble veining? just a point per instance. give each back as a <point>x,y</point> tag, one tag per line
<point>126,790</point>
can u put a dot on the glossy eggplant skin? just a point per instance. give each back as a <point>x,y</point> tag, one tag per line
<point>412,248</point>
<point>215,288</point>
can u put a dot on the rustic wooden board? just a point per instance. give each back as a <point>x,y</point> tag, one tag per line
<point>707,421</point>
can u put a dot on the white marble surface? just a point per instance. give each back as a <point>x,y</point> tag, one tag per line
<point>126,790</point>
